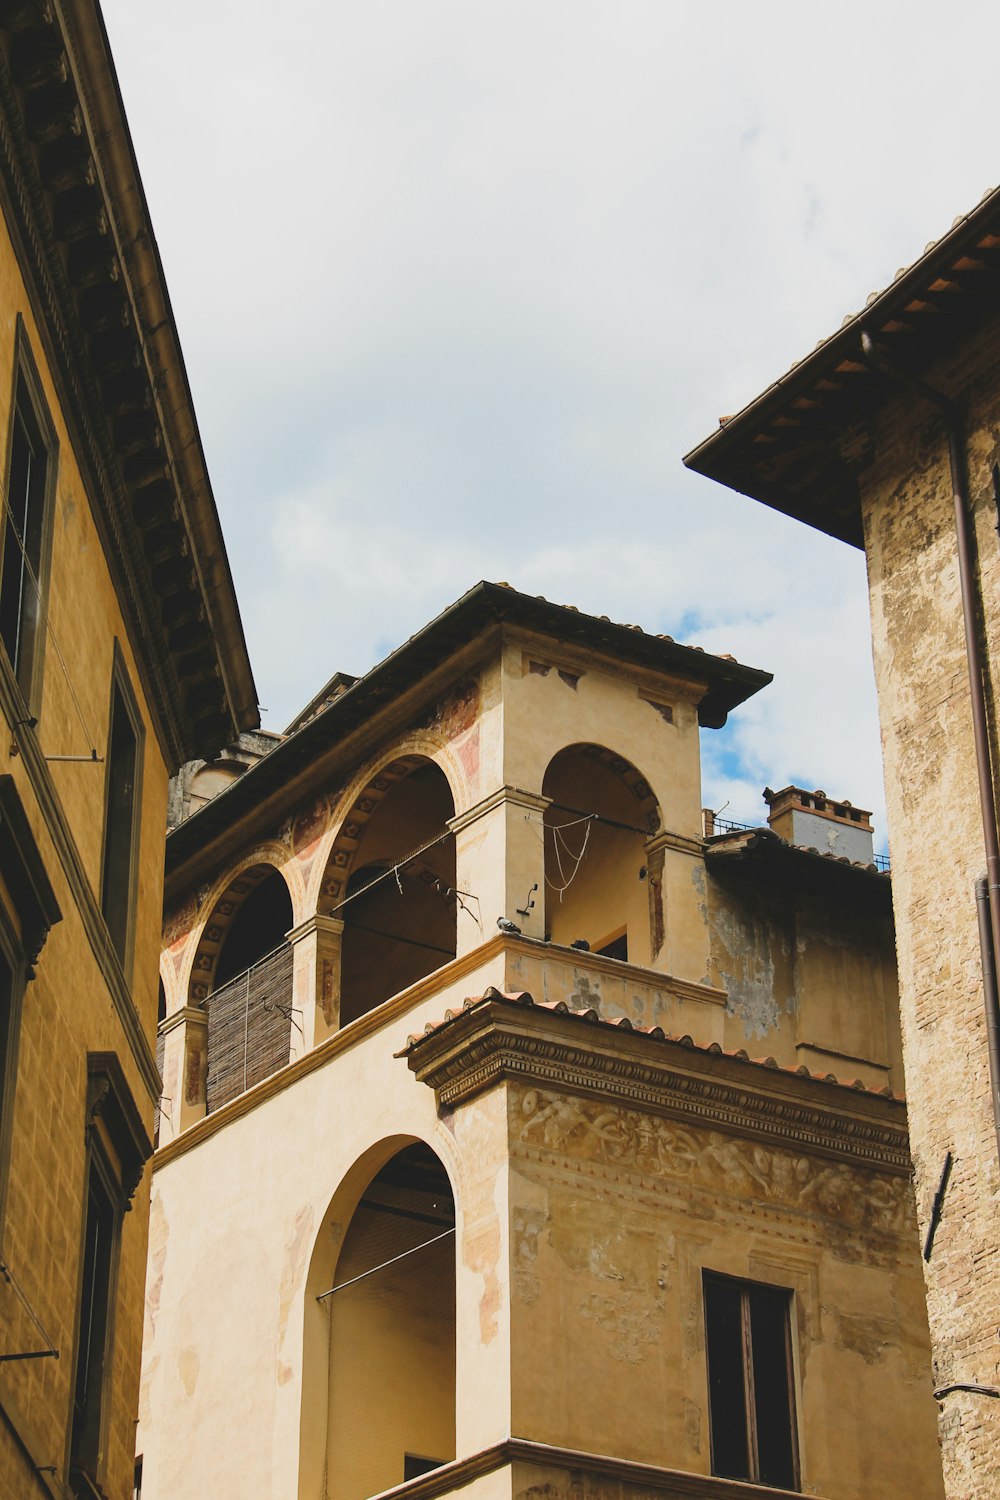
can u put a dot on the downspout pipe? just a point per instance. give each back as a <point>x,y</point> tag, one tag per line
<point>988,913</point>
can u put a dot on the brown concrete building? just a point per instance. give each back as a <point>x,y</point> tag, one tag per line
<point>887,436</point>
<point>121,656</point>
<point>517,1138</point>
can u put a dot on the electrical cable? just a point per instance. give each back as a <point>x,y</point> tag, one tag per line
<point>322,1296</point>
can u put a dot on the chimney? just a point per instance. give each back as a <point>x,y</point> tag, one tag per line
<point>812,820</point>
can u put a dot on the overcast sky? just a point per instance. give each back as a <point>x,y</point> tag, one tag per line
<point>459,283</point>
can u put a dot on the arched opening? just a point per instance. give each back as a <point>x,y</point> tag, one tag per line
<point>391,1312</point>
<point>397,904</point>
<point>597,891</point>
<point>245,963</point>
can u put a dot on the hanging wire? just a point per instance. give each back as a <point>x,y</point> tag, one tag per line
<point>12,1281</point>
<point>391,873</point>
<point>424,1244</point>
<point>47,622</point>
<point>561,846</point>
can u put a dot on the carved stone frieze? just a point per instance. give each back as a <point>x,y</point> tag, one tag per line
<point>577,1133</point>
<point>500,1038</point>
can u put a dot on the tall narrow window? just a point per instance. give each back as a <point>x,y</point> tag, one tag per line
<point>95,1308</point>
<point>117,1149</point>
<point>121,815</point>
<point>751,1402</point>
<point>24,532</point>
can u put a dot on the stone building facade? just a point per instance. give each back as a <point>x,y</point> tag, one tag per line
<point>121,656</point>
<point>517,1137</point>
<point>871,438</point>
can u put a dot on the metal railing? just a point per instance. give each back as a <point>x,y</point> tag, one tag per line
<point>249,1027</point>
<point>715,825</point>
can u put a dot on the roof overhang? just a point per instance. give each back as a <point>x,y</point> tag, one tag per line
<point>78,217</point>
<point>799,446</point>
<point>721,684</point>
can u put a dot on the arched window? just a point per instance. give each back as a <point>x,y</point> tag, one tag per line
<point>391,1327</point>
<point>398,904</point>
<point>596,886</point>
<point>250,1003</point>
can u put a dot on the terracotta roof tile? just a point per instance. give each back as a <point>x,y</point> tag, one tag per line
<point>622,1023</point>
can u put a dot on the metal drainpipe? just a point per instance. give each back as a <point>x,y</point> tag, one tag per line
<point>989,931</point>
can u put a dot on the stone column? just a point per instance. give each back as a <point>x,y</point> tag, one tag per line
<point>316,945</point>
<point>499,857</point>
<point>185,1068</point>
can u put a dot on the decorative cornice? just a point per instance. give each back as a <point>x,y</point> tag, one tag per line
<point>530,800</point>
<point>188,1015</point>
<point>79,225</point>
<point>318,922</point>
<point>498,1039</point>
<point>678,841</point>
<point>667,1484</point>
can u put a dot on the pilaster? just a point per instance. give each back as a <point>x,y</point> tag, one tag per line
<point>185,1069</point>
<point>500,864</point>
<point>316,949</point>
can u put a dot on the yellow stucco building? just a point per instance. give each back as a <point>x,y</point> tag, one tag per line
<point>887,437</point>
<point>121,656</point>
<point>522,1134</point>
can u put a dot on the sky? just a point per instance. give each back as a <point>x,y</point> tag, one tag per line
<point>458,283</point>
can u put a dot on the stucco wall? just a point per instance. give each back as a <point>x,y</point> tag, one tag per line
<point>69,1008</point>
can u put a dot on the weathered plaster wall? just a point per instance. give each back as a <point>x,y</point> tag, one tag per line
<point>615,1216</point>
<point>936,836</point>
<point>810,979</point>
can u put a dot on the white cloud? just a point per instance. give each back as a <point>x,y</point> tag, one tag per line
<point>459,282</point>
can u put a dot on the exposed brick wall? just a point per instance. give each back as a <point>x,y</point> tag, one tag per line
<point>935,831</point>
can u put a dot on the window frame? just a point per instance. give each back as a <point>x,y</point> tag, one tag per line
<point>98,1163</point>
<point>117,1149</point>
<point>26,381</point>
<point>24,927</point>
<point>746,1289</point>
<point>121,684</point>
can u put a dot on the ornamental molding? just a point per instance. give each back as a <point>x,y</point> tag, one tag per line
<point>499,1040</point>
<point>585,1476</point>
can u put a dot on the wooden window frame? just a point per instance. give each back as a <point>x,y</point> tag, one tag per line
<point>117,1148</point>
<point>121,683</point>
<point>746,1289</point>
<point>27,380</point>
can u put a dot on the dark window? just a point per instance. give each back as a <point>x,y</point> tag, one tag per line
<point>23,538</point>
<point>120,821</point>
<point>748,1336</point>
<point>414,1465</point>
<point>95,1311</point>
<point>616,948</point>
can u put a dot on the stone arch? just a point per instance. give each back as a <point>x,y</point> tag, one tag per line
<point>362,795</point>
<point>221,905</point>
<point>601,813</point>
<point>647,808</point>
<point>330,1350</point>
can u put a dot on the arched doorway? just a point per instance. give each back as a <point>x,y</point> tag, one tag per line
<point>395,881</point>
<point>596,878</point>
<point>391,1328</point>
<point>245,963</point>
